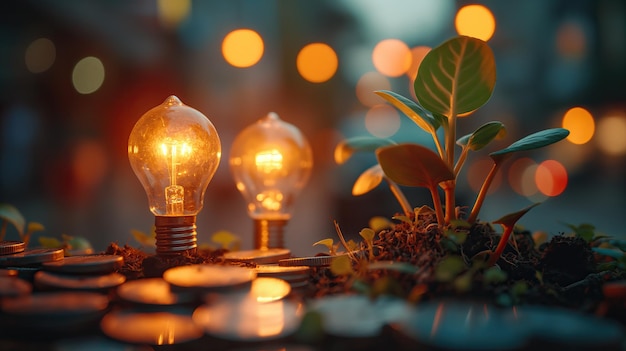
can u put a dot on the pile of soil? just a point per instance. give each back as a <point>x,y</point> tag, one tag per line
<point>563,271</point>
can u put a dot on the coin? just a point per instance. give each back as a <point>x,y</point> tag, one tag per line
<point>151,327</point>
<point>11,247</point>
<point>13,286</point>
<point>29,257</point>
<point>258,256</point>
<point>207,277</point>
<point>86,264</point>
<point>50,280</point>
<point>152,291</point>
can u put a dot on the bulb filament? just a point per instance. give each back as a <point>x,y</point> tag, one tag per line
<point>174,193</point>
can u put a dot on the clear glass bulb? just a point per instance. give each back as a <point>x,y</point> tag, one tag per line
<point>174,151</point>
<point>270,161</point>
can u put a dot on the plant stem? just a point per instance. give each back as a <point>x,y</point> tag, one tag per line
<point>483,192</point>
<point>448,188</point>
<point>437,203</point>
<point>438,144</point>
<point>397,192</point>
<point>460,161</point>
<point>501,245</point>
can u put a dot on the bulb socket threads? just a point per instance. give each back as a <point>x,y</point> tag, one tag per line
<point>268,233</point>
<point>175,235</point>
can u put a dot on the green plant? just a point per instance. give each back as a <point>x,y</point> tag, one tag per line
<point>10,214</point>
<point>454,79</point>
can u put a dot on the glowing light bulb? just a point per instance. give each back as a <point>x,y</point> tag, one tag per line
<point>270,161</point>
<point>174,151</point>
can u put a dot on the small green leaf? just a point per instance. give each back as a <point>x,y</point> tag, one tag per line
<point>346,148</point>
<point>449,268</point>
<point>494,275</point>
<point>368,180</point>
<point>326,242</point>
<point>458,237</point>
<point>532,141</point>
<point>367,234</point>
<point>585,231</point>
<point>341,265</point>
<point>51,243</point>
<point>423,118</point>
<point>227,240</point>
<point>413,165</point>
<point>456,77</point>
<point>12,215</point>
<point>482,136</point>
<point>143,238</point>
<point>378,223</point>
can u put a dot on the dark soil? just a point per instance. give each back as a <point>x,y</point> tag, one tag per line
<point>563,271</point>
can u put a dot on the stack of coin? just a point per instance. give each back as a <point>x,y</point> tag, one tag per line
<point>296,276</point>
<point>88,273</point>
<point>15,256</point>
<point>267,256</point>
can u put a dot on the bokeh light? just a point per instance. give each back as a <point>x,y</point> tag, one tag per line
<point>520,183</point>
<point>173,12</point>
<point>40,55</point>
<point>478,171</point>
<point>382,121</point>
<point>317,62</point>
<point>89,164</point>
<point>551,178</point>
<point>88,75</point>
<point>612,134</point>
<point>417,55</point>
<point>475,21</point>
<point>570,40</point>
<point>392,57</point>
<point>242,48</point>
<point>367,84</point>
<point>580,123</point>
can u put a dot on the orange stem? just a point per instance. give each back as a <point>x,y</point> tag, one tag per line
<point>504,239</point>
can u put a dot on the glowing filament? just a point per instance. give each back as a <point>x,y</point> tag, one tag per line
<point>174,193</point>
<point>269,161</point>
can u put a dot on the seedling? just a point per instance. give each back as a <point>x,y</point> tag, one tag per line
<point>10,214</point>
<point>454,79</point>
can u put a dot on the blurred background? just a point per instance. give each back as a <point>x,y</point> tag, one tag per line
<point>76,75</point>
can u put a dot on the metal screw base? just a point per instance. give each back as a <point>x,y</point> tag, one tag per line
<point>175,235</point>
<point>268,233</point>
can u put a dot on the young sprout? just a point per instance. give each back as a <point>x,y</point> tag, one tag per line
<point>508,223</point>
<point>10,214</point>
<point>453,80</point>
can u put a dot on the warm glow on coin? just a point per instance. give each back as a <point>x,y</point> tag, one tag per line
<point>269,289</point>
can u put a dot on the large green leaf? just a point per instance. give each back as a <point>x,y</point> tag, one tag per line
<point>423,118</point>
<point>532,141</point>
<point>413,165</point>
<point>368,180</point>
<point>482,136</point>
<point>458,76</point>
<point>12,215</point>
<point>346,148</point>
